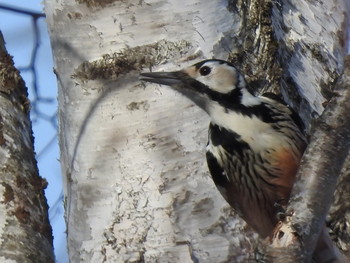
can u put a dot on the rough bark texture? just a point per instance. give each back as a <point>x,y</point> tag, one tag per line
<point>25,232</point>
<point>302,46</point>
<point>295,48</point>
<point>339,214</point>
<point>317,178</point>
<point>138,188</point>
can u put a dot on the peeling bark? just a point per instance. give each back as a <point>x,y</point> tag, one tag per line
<point>25,232</point>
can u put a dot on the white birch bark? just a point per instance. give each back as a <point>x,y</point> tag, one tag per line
<point>140,189</point>
<point>137,184</point>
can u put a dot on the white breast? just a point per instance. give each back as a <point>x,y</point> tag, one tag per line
<point>258,134</point>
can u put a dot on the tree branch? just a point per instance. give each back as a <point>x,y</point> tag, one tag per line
<point>317,177</point>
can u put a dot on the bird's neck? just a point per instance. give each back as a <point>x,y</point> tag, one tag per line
<point>239,119</point>
<point>237,100</point>
<point>247,99</point>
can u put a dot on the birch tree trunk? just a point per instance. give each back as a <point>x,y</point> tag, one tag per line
<point>25,232</point>
<point>137,185</point>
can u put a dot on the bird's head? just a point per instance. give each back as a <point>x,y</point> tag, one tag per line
<point>206,82</point>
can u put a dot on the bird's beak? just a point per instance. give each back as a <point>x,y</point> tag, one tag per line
<point>182,82</point>
<point>164,78</point>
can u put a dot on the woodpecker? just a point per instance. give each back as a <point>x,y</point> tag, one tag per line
<point>255,143</point>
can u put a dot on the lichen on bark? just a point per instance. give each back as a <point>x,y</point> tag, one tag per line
<point>110,66</point>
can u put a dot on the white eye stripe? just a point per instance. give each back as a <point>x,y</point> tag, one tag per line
<point>222,78</point>
<point>216,75</point>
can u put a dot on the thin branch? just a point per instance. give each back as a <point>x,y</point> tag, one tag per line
<point>31,67</point>
<point>22,11</point>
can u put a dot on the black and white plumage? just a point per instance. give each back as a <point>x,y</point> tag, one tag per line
<point>255,143</point>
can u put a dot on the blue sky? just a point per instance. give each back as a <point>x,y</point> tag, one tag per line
<point>18,31</point>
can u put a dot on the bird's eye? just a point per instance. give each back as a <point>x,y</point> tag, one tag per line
<point>204,70</point>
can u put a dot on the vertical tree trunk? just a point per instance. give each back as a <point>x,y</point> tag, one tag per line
<point>137,186</point>
<point>25,233</point>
